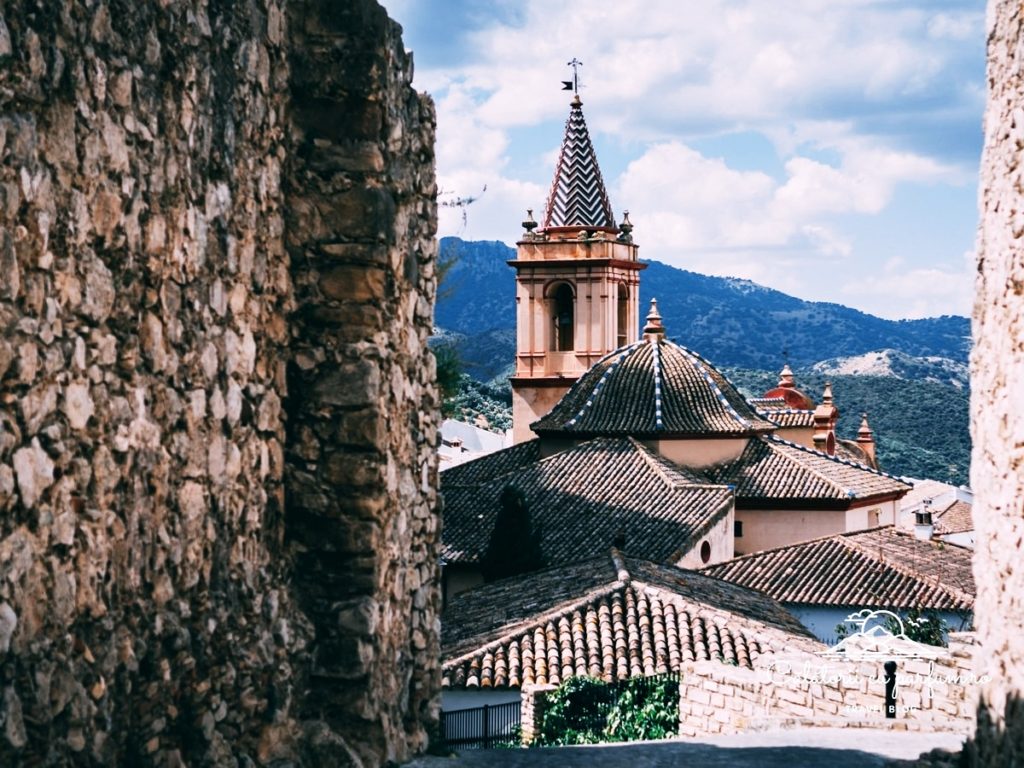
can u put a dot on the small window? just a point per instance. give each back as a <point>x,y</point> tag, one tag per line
<point>705,552</point>
<point>873,518</point>
<point>737,529</point>
<point>562,319</point>
<point>622,316</point>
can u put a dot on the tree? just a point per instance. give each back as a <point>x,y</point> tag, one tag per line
<point>449,375</point>
<point>514,546</point>
<point>921,626</point>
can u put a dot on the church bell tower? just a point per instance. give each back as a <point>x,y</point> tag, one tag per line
<point>577,282</point>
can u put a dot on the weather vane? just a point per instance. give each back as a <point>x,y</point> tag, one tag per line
<point>574,84</point>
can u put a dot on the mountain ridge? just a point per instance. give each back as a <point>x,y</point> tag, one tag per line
<point>730,321</point>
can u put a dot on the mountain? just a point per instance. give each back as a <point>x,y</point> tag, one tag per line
<point>898,365</point>
<point>908,375</point>
<point>729,321</point>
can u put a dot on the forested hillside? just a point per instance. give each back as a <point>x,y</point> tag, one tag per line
<point>918,409</point>
<point>729,321</point>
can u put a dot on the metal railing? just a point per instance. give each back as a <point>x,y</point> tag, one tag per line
<point>486,727</point>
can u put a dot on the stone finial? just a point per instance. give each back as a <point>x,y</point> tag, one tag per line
<point>626,228</point>
<point>866,441</point>
<point>529,224</point>
<point>576,102</point>
<point>626,225</point>
<point>826,395</point>
<point>786,377</point>
<point>654,329</point>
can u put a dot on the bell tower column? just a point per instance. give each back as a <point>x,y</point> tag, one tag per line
<point>577,282</point>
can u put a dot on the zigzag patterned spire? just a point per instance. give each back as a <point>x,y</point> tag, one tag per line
<point>578,197</point>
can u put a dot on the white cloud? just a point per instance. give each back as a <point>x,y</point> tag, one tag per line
<point>957,26</point>
<point>904,291</point>
<point>664,76</point>
<point>692,202</point>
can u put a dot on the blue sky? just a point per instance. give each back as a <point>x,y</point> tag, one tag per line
<point>828,150</point>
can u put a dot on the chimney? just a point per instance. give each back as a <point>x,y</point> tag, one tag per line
<point>923,526</point>
<point>866,440</point>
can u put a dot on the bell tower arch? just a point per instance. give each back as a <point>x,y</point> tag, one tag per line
<point>577,282</point>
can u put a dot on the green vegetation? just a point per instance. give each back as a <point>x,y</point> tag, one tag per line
<point>921,626</point>
<point>585,710</point>
<point>728,321</point>
<point>449,375</point>
<point>474,399</point>
<point>921,427</point>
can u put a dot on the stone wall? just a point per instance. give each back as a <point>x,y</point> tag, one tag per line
<point>800,689</point>
<point>997,391</point>
<point>216,411</point>
<point>816,692</point>
<point>531,710</point>
<point>362,472</point>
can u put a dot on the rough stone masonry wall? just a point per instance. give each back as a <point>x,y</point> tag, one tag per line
<point>362,458</point>
<point>997,392</point>
<point>192,245</point>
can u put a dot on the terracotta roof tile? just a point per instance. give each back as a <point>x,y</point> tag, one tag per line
<point>492,465</point>
<point>768,403</point>
<point>771,469</point>
<point>788,417</point>
<point>956,518</point>
<point>612,618</point>
<point>653,388</point>
<point>877,568</point>
<point>581,498</point>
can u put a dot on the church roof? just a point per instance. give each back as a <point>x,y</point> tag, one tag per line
<point>578,197</point>
<point>773,469</point>
<point>610,617</point>
<point>581,499</point>
<point>787,391</point>
<point>788,417</point>
<point>492,465</point>
<point>653,388</point>
<point>876,568</point>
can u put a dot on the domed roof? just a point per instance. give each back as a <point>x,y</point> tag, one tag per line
<point>786,389</point>
<point>653,388</point>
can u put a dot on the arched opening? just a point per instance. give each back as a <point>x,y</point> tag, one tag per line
<point>705,552</point>
<point>830,444</point>
<point>562,318</point>
<point>622,316</point>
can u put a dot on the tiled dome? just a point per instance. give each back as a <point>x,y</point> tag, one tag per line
<point>653,388</point>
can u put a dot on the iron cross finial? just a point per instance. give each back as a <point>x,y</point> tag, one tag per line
<point>575,64</point>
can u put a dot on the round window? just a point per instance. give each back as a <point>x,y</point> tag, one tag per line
<point>705,552</point>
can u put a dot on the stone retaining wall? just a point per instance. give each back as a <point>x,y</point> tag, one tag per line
<point>810,690</point>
